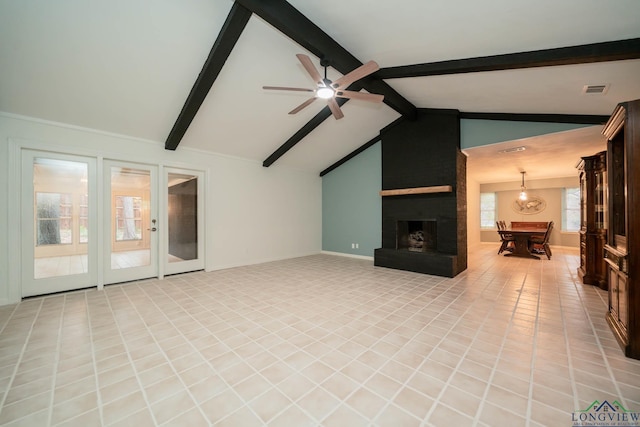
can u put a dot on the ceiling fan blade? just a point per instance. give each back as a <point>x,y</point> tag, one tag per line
<point>335,108</point>
<point>303,105</point>
<point>371,97</point>
<point>360,72</point>
<point>313,72</point>
<point>297,89</point>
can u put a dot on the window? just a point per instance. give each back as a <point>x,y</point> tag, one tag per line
<point>571,209</point>
<point>487,210</point>
<point>84,218</point>
<point>54,223</point>
<point>128,218</point>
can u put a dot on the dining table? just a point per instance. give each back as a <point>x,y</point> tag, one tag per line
<point>521,240</point>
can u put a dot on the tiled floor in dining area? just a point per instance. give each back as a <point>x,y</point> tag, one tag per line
<point>319,340</point>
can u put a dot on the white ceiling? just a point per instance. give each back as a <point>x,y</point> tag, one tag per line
<point>127,66</point>
<point>548,156</point>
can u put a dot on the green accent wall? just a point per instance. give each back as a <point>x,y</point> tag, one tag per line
<point>352,206</point>
<point>474,133</point>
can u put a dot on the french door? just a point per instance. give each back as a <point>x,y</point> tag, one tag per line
<point>88,222</point>
<point>130,222</point>
<point>58,223</point>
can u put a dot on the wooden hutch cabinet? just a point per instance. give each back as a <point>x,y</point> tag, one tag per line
<point>593,219</point>
<point>622,251</point>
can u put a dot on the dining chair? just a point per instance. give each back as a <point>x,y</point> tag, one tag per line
<point>540,245</point>
<point>506,239</point>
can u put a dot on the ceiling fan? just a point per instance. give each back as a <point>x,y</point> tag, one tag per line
<point>326,89</point>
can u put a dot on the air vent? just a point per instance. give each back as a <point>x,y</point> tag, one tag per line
<point>595,89</point>
<point>512,150</point>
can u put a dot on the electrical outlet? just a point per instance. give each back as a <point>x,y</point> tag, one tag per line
<point>353,246</point>
<point>357,245</point>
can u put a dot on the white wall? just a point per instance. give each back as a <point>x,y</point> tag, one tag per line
<point>548,189</point>
<point>473,213</point>
<point>254,214</point>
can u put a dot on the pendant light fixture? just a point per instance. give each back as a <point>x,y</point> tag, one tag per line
<point>523,192</point>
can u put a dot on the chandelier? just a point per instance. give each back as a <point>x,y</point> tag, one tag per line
<point>523,192</point>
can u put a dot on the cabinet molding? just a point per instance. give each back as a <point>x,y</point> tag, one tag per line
<point>622,251</point>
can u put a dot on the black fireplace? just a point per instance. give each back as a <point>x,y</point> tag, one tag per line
<point>423,231</point>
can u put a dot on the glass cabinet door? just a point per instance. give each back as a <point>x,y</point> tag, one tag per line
<point>583,201</point>
<point>599,200</point>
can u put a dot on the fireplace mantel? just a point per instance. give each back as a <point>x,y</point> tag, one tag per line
<point>417,190</point>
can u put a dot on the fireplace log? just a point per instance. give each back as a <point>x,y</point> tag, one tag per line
<point>417,190</point>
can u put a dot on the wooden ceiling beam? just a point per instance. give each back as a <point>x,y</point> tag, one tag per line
<point>583,54</point>
<point>581,119</point>
<point>324,114</point>
<point>231,30</point>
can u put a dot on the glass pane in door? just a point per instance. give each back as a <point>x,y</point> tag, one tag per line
<point>182,217</point>
<point>131,217</point>
<point>60,212</point>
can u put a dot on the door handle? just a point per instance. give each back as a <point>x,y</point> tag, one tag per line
<point>152,229</point>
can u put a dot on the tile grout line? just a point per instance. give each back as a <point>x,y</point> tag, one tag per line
<point>8,386</point>
<point>274,386</point>
<point>54,377</point>
<point>244,403</point>
<point>8,319</point>
<point>456,369</point>
<point>177,374</point>
<point>502,345</point>
<point>24,348</point>
<point>336,371</point>
<point>447,383</point>
<point>378,370</point>
<point>567,343</point>
<point>415,370</point>
<point>585,310</point>
<point>135,371</point>
<point>534,349</point>
<point>94,361</point>
<point>276,357</point>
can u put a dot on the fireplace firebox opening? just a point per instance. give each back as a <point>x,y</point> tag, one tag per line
<point>417,235</point>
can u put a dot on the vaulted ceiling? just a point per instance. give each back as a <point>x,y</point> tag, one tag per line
<point>135,68</point>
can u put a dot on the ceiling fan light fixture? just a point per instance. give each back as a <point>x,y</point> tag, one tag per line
<point>325,92</point>
<point>328,90</point>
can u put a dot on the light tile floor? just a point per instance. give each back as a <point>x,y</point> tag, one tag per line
<point>319,340</point>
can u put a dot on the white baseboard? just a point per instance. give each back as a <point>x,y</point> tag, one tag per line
<point>368,258</point>
<point>256,261</point>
